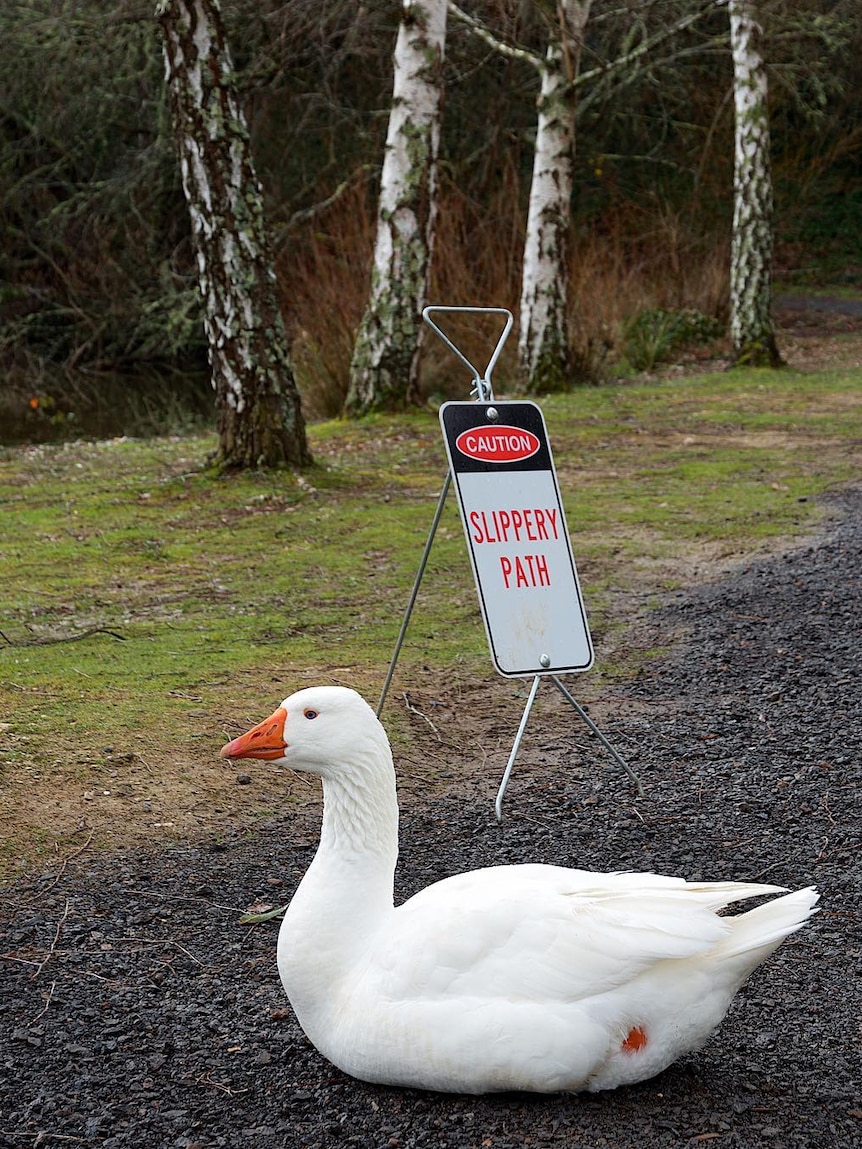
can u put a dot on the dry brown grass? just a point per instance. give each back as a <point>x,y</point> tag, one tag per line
<point>638,258</point>
<point>324,278</point>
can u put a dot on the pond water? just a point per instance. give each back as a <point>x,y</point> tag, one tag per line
<point>106,406</point>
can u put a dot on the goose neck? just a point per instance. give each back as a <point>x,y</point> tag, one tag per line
<point>360,815</point>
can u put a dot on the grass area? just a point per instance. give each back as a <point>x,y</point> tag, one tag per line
<point>221,595</point>
<point>202,576</point>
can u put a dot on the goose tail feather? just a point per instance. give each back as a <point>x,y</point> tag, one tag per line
<point>760,931</point>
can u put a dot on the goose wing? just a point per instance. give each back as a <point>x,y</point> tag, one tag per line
<point>547,933</point>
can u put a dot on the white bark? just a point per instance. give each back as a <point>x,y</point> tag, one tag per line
<point>751,251</point>
<point>543,342</point>
<point>384,371</point>
<point>258,407</point>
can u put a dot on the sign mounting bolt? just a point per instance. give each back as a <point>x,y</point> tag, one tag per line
<point>544,660</point>
<point>493,414</point>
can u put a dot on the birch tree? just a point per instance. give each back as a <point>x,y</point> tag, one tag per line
<point>751,327</point>
<point>543,343</point>
<point>385,366</point>
<point>258,409</point>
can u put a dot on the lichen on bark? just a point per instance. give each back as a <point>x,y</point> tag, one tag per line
<point>258,408</point>
<point>384,368</point>
<point>543,337</point>
<point>751,326</point>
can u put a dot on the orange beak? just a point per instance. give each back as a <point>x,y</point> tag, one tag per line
<point>266,740</point>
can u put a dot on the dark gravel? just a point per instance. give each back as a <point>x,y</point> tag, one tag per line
<point>136,1011</point>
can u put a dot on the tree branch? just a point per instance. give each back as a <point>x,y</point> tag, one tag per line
<point>63,638</point>
<point>600,72</point>
<point>499,46</point>
<point>605,70</point>
<point>359,175</point>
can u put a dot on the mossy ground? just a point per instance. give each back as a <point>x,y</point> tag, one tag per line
<point>211,598</point>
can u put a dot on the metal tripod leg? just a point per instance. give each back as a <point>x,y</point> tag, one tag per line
<point>482,391</point>
<point>498,805</point>
<point>413,594</point>
<point>620,761</point>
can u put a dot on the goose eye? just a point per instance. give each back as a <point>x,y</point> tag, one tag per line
<point>310,713</point>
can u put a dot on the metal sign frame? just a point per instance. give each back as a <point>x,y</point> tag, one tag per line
<point>519,547</point>
<point>482,391</point>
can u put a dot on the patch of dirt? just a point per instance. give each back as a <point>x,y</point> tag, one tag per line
<point>159,797</point>
<point>147,799</point>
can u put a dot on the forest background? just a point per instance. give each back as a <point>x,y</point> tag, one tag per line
<point>101,324</point>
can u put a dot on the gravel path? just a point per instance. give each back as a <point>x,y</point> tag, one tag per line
<point>136,1011</point>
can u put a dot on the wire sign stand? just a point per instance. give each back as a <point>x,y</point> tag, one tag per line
<point>501,465</point>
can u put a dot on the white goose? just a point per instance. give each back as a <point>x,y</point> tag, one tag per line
<point>529,977</point>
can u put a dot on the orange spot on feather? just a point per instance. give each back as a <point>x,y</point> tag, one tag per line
<point>635,1040</point>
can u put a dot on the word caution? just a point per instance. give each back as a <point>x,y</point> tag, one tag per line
<point>498,444</point>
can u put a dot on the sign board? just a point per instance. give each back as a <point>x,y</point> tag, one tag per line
<point>500,460</point>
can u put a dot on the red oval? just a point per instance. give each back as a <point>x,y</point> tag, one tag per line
<point>493,444</point>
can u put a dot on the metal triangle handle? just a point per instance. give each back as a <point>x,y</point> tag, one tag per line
<point>482,381</point>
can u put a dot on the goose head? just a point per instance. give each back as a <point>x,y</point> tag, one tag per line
<point>320,730</point>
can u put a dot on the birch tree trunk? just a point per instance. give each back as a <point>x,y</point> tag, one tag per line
<point>385,365</point>
<point>259,415</point>
<point>543,339</point>
<point>751,248</point>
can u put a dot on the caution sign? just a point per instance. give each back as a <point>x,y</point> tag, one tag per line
<point>529,593</point>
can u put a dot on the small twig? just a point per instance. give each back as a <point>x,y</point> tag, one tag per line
<point>205,1079</point>
<point>763,873</point>
<point>363,173</point>
<point>80,849</point>
<point>534,822</point>
<point>20,960</point>
<point>60,872</point>
<point>57,878</point>
<point>143,943</point>
<point>44,1008</point>
<point>42,1136</point>
<point>163,942</point>
<point>826,808</point>
<point>53,949</point>
<point>414,710</point>
<point>184,898</point>
<point>64,638</point>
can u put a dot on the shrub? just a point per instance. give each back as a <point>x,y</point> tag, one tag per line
<point>656,334</point>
